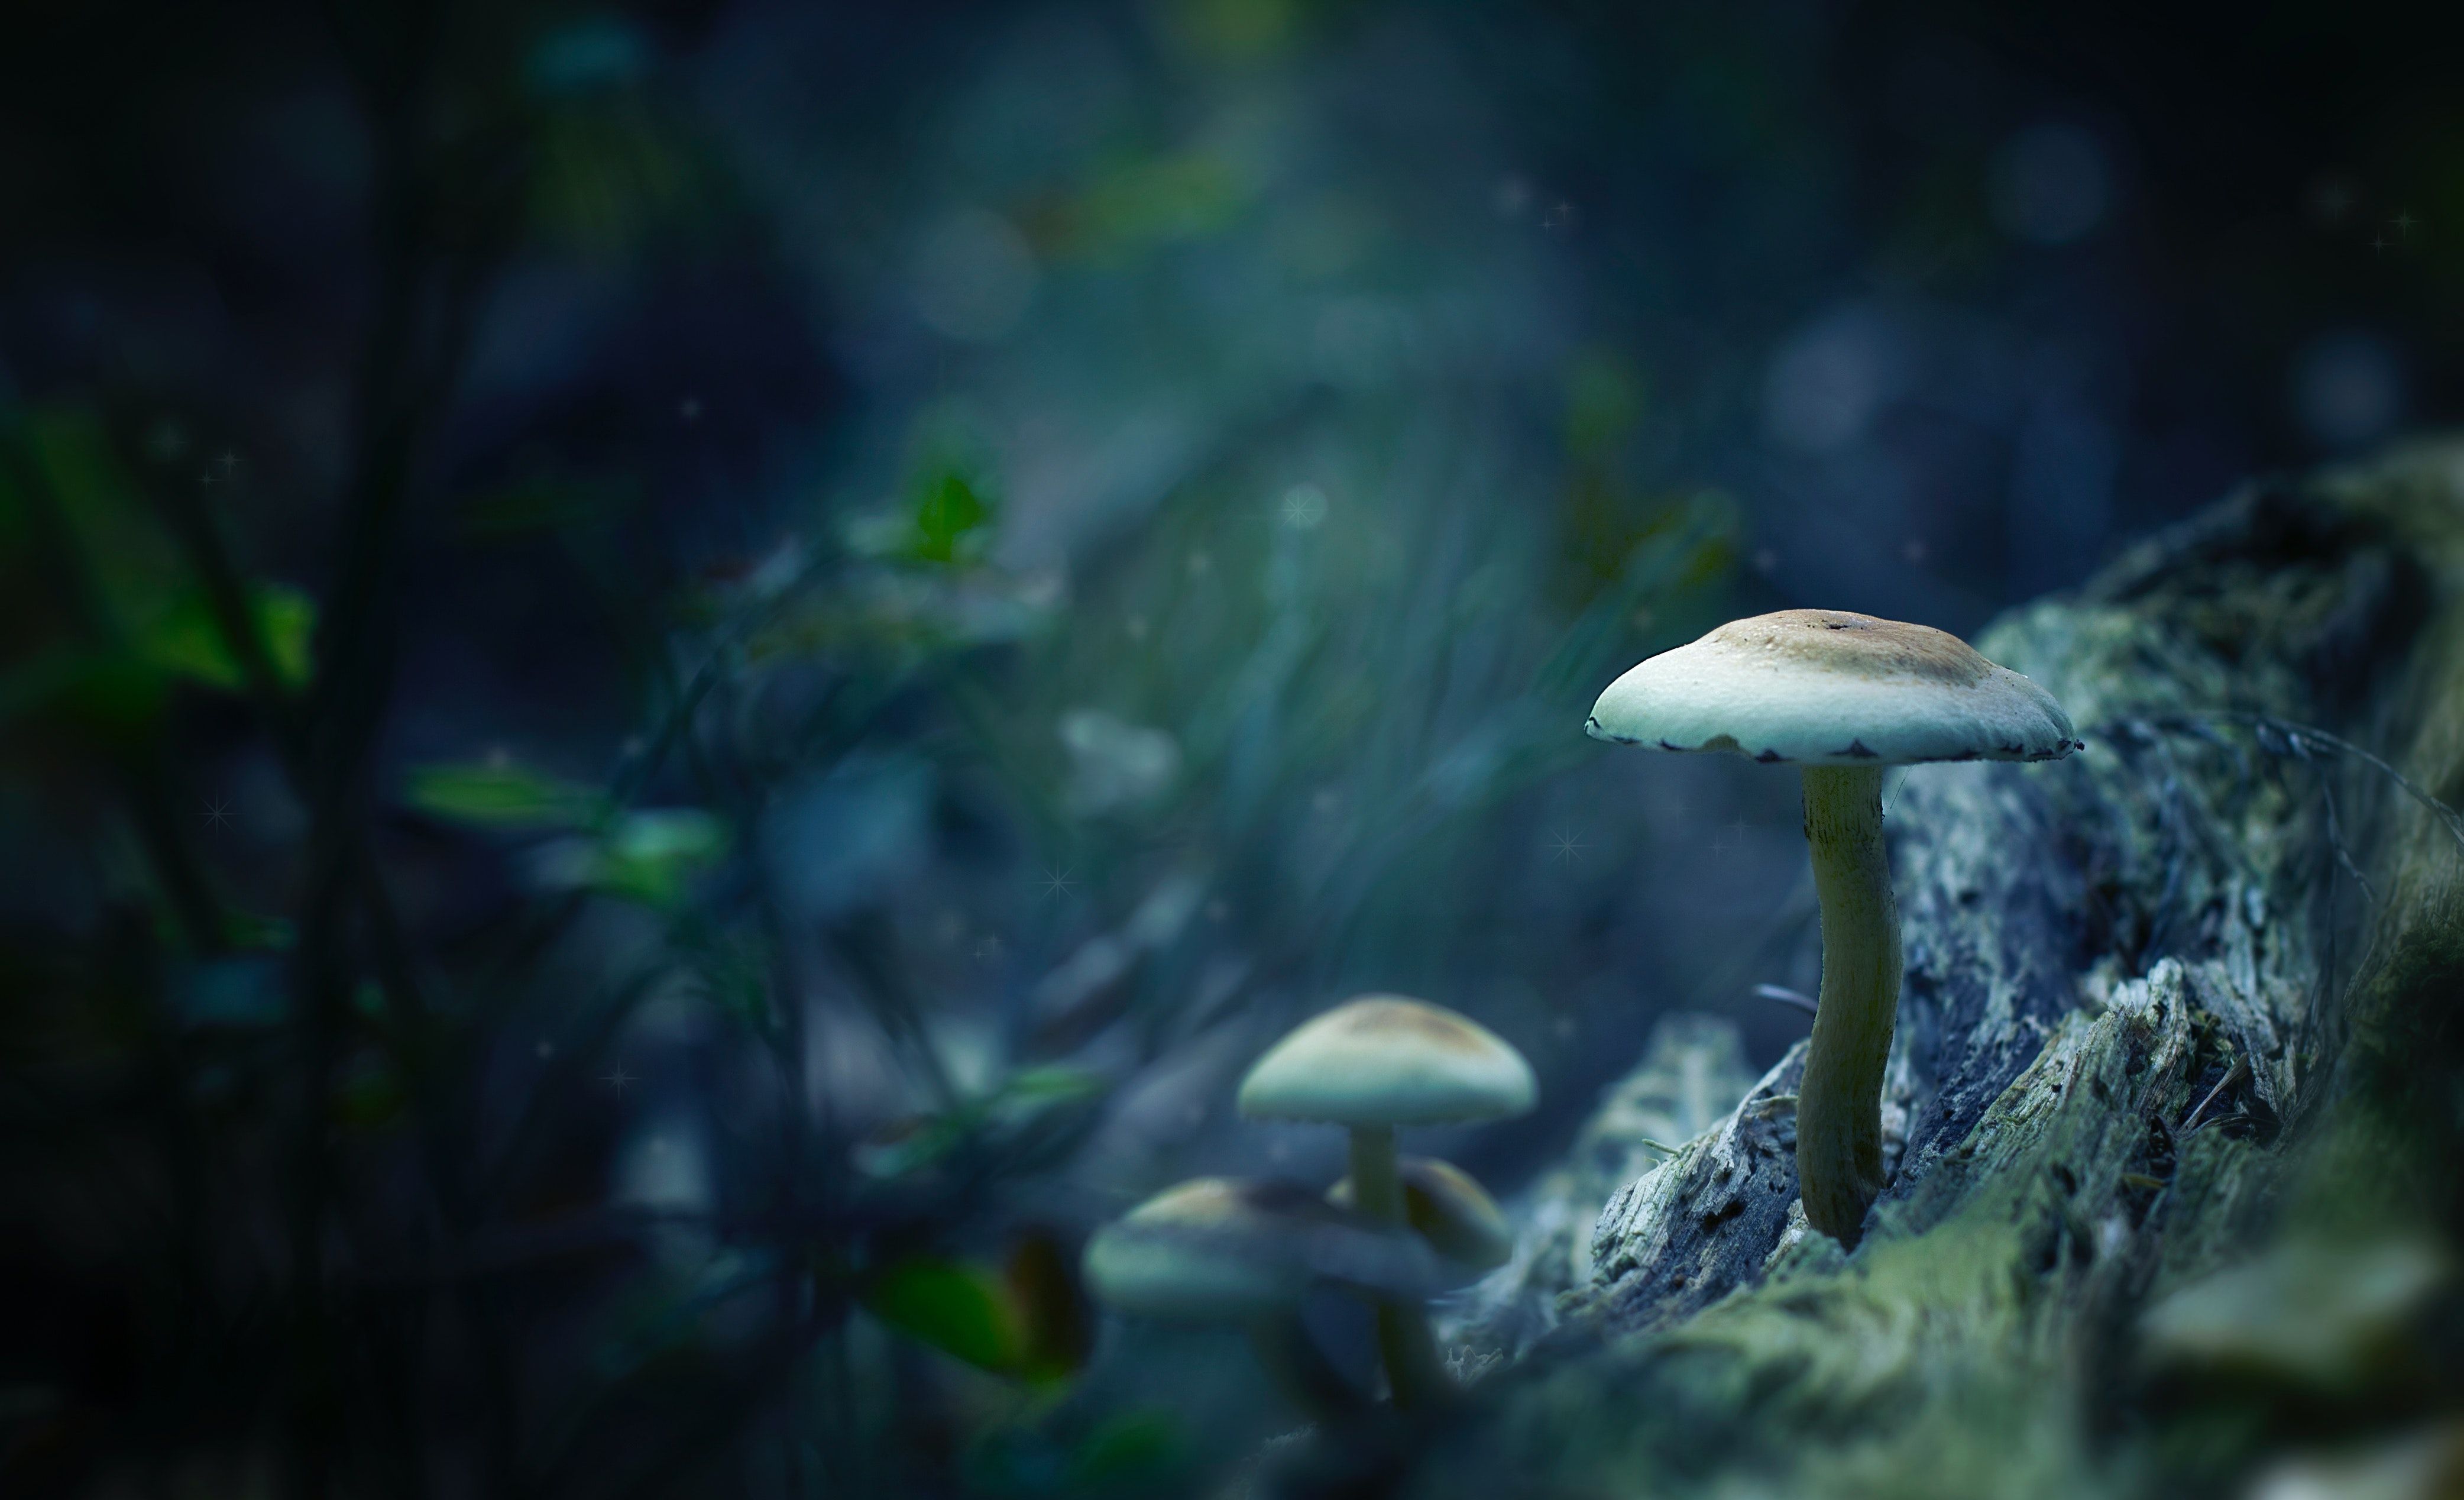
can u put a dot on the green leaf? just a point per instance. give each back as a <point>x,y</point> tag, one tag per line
<point>914,1144</point>
<point>1035,1095</point>
<point>1032,1100</point>
<point>1054,1081</point>
<point>955,1308</point>
<point>950,511</point>
<point>286,619</point>
<point>498,795</point>
<point>186,640</point>
<point>150,614</point>
<point>113,695</point>
<point>666,835</point>
<point>128,556</point>
<point>652,856</point>
<point>1131,1448</point>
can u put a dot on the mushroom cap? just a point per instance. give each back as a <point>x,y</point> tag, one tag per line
<point>1388,1060</point>
<point>1443,1206</point>
<point>1225,1248</point>
<point>1824,686</point>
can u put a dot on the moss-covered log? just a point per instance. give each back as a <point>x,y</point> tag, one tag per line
<point>2178,1088</point>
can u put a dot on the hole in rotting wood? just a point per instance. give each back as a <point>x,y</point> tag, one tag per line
<point>2043,1247</point>
<point>1721,1215</point>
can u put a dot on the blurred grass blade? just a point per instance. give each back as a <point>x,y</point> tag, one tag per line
<point>185,641</point>
<point>495,795</point>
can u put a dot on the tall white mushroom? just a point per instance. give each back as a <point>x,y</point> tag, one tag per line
<point>1842,696</point>
<point>1374,1064</point>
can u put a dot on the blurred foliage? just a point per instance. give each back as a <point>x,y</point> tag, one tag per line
<point>678,682</point>
<point>947,517</point>
<point>727,1065</point>
<point>497,796</point>
<point>956,1309</point>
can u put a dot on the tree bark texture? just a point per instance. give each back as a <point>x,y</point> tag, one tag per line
<point>2176,1113</point>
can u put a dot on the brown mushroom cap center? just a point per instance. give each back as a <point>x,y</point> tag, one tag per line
<point>1859,644</point>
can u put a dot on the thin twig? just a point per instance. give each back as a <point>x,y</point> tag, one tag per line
<point>1786,996</point>
<point>2192,1123</point>
<point>2336,842</point>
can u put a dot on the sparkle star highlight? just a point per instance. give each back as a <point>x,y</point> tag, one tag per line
<point>218,814</point>
<point>1566,848</point>
<point>1057,883</point>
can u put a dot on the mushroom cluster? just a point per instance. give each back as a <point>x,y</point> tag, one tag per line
<point>1395,1231</point>
<point>1842,696</point>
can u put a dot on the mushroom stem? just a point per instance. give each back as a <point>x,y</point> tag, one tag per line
<point>1839,1104</point>
<point>1403,1340</point>
<point>1376,1174</point>
<point>1292,1359</point>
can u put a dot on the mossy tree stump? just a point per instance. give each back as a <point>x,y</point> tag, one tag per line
<point>2182,1041</point>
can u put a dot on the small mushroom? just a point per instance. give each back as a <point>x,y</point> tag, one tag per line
<point>1374,1064</point>
<point>1231,1250</point>
<point>1842,696</point>
<point>1444,1206</point>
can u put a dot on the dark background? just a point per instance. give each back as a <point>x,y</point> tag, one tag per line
<point>685,682</point>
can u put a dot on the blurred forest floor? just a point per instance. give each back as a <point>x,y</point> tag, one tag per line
<point>679,684</point>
